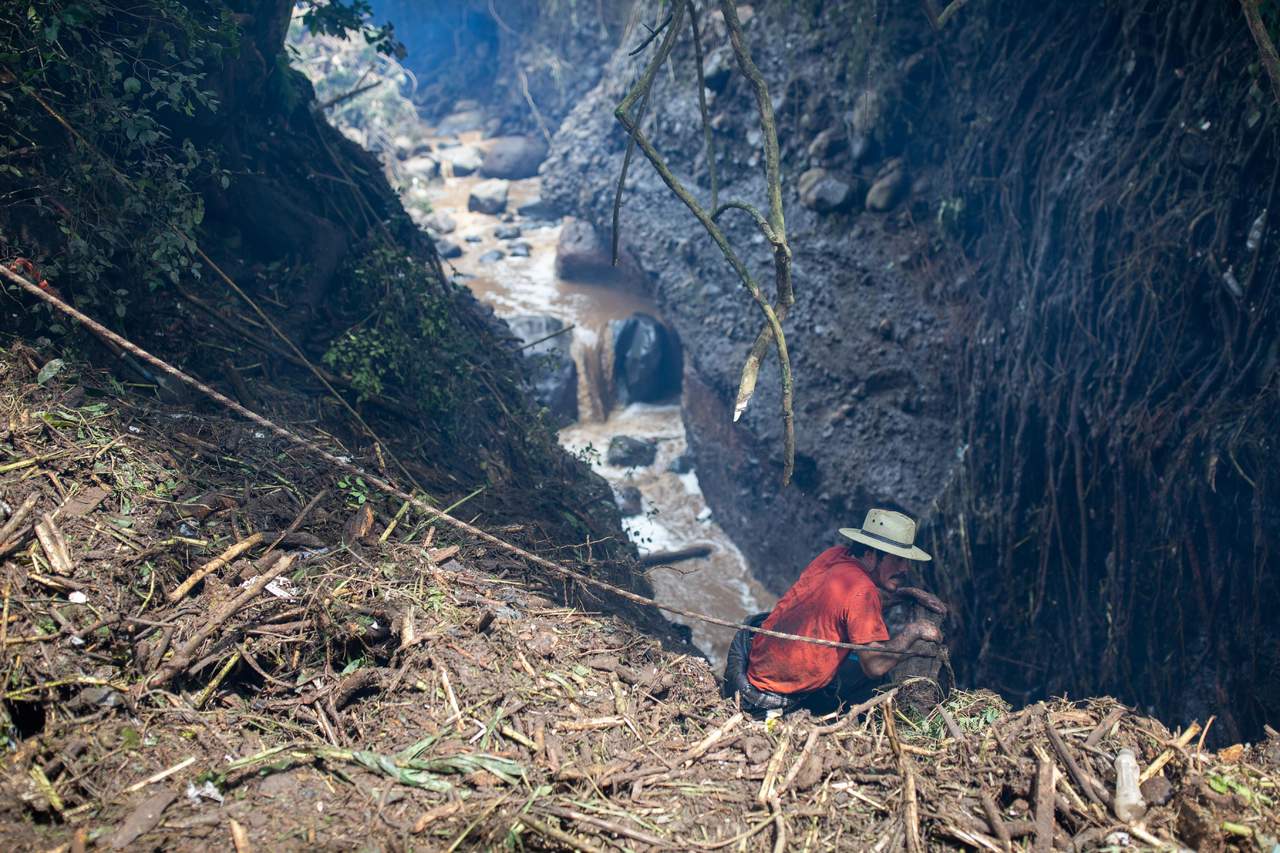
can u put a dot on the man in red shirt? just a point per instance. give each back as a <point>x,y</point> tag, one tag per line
<point>837,597</point>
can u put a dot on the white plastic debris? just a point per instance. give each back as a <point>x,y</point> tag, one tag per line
<point>207,791</point>
<point>78,597</point>
<point>1256,230</point>
<point>1128,803</point>
<point>1232,283</point>
<point>283,588</point>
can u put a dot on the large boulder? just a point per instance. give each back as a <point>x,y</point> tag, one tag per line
<point>488,197</point>
<point>553,374</point>
<point>537,208</point>
<point>464,159</point>
<point>514,157</point>
<point>629,500</point>
<point>824,192</point>
<point>627,452</point>
<point>646,360</point>
<point>890,187</point>
<point>583,254</point>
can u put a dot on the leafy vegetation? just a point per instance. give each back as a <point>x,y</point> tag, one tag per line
<point>410,343</point>
<point>92,172</point>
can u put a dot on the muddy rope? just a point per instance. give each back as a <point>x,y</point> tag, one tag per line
<point>390,489</point>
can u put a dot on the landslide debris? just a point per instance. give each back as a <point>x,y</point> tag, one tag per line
<point>394,687</point>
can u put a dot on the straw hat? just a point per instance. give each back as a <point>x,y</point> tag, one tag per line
<point>888,531</point>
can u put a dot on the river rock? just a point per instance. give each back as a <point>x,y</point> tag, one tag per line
<point>629,500</point>
<point>538,208</point>
<point>507,232</point>
<point>867,114</point>
<point>646,359</point>
<point>718,68</point>
<point>492,256</point>
<point>553,374</point>
<point>889,188</point>
<point>488,197</point>
<point>421,167</point>
<point>582,254</point>
<point>441,223</point>
<point>521,250</point>
<point>627,452</point>
<point>448,249</point>
<point>828,144</point>
<point>824,192</point>
<point>465,159</point>
<point>682,464</point>
<point>460,122</point>
<point>514,157</point>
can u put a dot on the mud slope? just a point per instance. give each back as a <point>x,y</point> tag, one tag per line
<point>385,696</point>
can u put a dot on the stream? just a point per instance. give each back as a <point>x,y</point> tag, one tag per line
<point>673,513</point>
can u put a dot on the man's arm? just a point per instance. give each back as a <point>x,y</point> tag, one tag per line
<point>876,664</point>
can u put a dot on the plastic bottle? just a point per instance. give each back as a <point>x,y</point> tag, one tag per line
<point>1128,803</point>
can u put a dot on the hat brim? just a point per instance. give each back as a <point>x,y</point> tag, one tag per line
<point>911,553</point>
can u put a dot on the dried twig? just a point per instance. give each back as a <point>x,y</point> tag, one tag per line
<point>1266,47</point>
<point>180,591</point>
<point>183,657</point>
<point>1044,822</point>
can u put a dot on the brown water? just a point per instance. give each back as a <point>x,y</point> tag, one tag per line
<point>675,514</point>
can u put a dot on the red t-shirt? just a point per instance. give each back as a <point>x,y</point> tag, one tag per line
<point>833,599</point>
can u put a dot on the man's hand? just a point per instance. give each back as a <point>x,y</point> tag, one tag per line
<point>926,599</point>
<point>923,630</point>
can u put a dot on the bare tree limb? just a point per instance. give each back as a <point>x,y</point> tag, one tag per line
<point>773,226</point>
<point>1266,47</point>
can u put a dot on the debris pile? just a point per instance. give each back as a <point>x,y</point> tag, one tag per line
<point>208,640</point>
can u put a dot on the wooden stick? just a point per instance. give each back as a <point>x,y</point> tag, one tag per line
<point>54,545</point>
<point>910,804</point>
<point>1163,759</point>
<point>162,775</point>
<point>1083,781</point>
<point>950,722</point>
<point>993,818</point>
<point>572,842</point>
<point>609,826</point>
<point>15,521</point>
<point>239,837</point>
<point>775,764</point>
<point>1100,730</point>
<point>183,656</point>
<point>1045,784</point>
<point>662,558</point>
<point>180,591</point>
<point>714,737</point>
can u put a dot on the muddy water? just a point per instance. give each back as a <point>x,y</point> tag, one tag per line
<point>675,514</point>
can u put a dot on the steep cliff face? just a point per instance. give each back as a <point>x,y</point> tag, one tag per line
<point>1035,304</point>
<point>871,339</point>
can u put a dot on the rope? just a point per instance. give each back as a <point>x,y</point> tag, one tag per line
<point>419,504</point>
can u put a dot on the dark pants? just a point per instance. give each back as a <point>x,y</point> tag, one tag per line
<point>850,685</point>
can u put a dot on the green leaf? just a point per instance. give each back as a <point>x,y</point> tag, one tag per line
<point>50,370</point>
<point>132,85</point>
